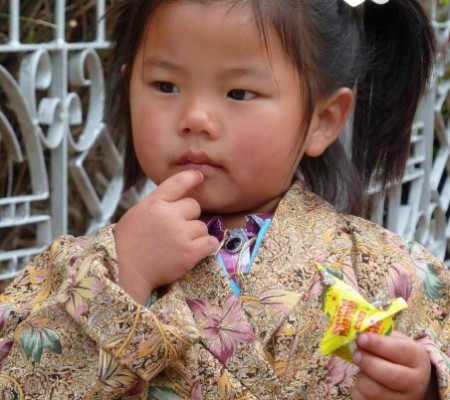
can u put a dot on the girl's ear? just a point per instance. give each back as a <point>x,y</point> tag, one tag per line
<point>123,69</point>
<point>328,120</point>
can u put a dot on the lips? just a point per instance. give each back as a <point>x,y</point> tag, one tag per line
<point>198,161</point>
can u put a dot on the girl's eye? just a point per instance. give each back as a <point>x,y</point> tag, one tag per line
<point>241,94</point>
<point>166,87</point>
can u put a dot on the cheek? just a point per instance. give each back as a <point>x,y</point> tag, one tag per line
<point>147,143</point>
<point>264,145</point>
<point>146,128</point>
<point>146,121</point>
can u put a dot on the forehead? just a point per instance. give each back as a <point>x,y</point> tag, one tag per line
<point>244,9</point>
<point>228,27</point>
<point>200,17</point>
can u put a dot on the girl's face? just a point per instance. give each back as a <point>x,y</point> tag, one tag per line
<point>206,93</point>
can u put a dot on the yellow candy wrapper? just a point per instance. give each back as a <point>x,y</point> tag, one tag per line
<point>350,315</point>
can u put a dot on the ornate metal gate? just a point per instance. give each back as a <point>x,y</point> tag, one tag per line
<point>55,151</point>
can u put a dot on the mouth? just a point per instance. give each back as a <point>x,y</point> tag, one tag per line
<point>198,161</point>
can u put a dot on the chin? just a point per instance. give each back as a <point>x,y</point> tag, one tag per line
<point>211,206</point>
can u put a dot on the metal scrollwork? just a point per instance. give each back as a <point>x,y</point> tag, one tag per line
<point>16,210</point>
<point>50,128</point>
<point>52,133</point>
<point>87,61</point>
<point>36,75</point>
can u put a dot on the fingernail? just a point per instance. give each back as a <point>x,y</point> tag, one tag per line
<point>363,340</point>
<point>200,174</point>
<point>357,356</point>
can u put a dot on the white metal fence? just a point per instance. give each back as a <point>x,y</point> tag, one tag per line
<point>54,150</point>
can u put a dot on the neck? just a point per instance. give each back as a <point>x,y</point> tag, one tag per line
<point>238,219</point>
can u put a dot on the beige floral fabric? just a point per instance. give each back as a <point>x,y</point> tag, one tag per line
<point>68,331</point>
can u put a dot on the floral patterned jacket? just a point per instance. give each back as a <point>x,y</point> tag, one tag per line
<point>68,331</point>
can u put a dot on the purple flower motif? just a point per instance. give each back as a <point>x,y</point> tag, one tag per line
<point>339,371</point>
<point>316,289</point>
<point>196,392</point>
<point>440,362</point>
<point>399,282</point>
<point>222,327</point>
<point>73,260</point>
<point>78,288</point>
<point>138,388</point>
<point>350,277</point>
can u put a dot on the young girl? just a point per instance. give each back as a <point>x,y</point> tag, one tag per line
<point>208,288</point>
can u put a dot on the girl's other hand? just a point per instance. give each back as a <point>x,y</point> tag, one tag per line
<point>160,239</point>
<point>392,367</point>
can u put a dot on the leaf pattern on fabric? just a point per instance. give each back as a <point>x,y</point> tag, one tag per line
<point>222,327</point>
<point>113,376</point>
<point>39,277</point>
<point>34,340</point>
<point>5,311</point>
<point>150,346</point>
<point>5,348</point>
<point>349,277</point>
<point>158,344</point>
<point>282,300</point>
<point>281,368</point>
<point>328,235</point>
<point>433,286</point>
<point>113,341</point>
<point>196,392</point>
<point>76,289</point>
<point>138,390</point>
<point>224,386</point>
<point>316,288</point>
<point>399,282</point>
<point>431,283</point>
<point>339,371</point>
<point>440,361</point>
<point>299,236</point>
<point>162,393</point>
<point>337,273</point>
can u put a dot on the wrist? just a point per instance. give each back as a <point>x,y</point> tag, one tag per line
<point>130,278</point>
<point>134,285</point>
<point>132,281</point>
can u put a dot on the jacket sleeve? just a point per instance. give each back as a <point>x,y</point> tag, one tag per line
<point>435,333</point>
<point>67,327</point>
<point>388,266</point>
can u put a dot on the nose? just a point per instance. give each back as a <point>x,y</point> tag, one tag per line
<point>199,118</point>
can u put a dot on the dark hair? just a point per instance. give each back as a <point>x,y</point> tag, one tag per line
<point>384,52</point>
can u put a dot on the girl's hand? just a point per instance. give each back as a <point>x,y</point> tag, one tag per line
<point>160,239</point>
<point>391,367</point>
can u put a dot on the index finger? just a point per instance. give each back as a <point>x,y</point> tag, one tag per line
<point>397,348</point>
<point>175,187</point>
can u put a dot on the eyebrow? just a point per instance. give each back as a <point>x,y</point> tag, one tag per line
<point>232,72</point>
<point>248,72</point>
<point>158,63</point>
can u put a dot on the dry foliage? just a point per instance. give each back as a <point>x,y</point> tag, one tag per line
<point>37,25</point>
